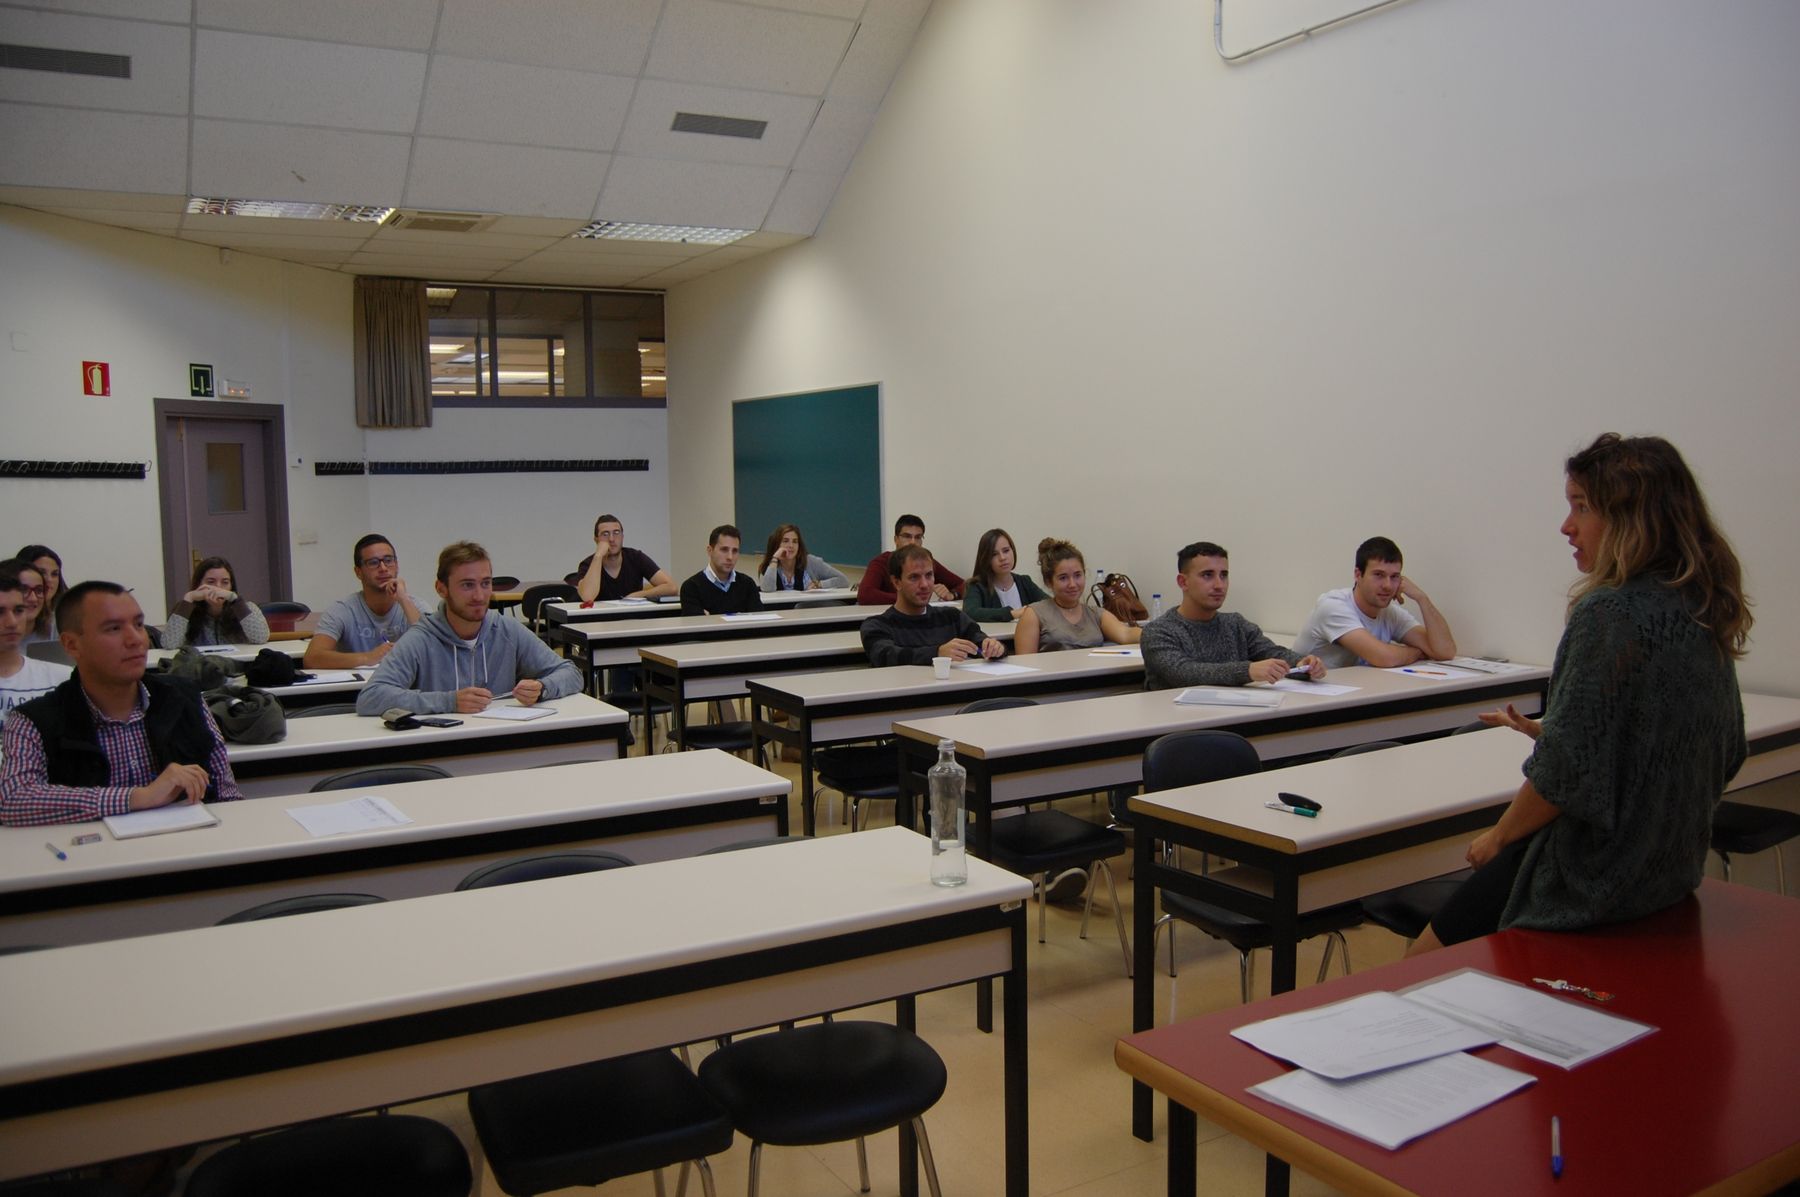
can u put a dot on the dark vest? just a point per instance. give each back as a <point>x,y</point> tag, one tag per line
<point>174,727</point>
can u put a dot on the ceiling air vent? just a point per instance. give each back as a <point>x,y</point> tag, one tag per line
<point>440,222</point>
<point>65,62</point>
<point>719,126</point>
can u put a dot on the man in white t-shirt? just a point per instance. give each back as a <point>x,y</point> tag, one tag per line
<point>1368,623</point>
<point>22,678</point>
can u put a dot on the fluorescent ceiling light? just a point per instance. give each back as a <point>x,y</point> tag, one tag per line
<point>199,205</point>
<point>446,347</point>
<point>443,293</point>
<point>615,230</point>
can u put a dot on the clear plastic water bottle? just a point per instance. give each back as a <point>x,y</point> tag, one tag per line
<point>949,852</point>
<point>1156,606</point>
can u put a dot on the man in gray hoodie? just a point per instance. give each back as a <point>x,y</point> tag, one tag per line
<point>460,657</point>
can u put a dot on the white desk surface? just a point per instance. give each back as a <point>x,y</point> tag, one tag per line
<point>992,735</point>
<point>808,598</point>
<point>326,734</point>
<point>252,982</point>
<point>241,653</point>
<point>911,684</point>
<point>689,627</point>
<point>346,690</point>
<point>250,832</point>
<point>771,650</point>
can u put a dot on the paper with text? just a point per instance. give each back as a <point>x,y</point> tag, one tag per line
<point>368,812</point>
<point>1327,689</point>
<point>1367,1033</point>
<point>158,819</point>
<point>1559,1031</point>
<point>518,714</point>
<point>1206,696</point>
<point>1394,1107</point>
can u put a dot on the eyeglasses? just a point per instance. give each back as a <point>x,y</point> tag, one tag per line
<point>372,562</point>
<point>28,591</point>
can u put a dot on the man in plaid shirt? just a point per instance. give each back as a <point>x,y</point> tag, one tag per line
<point>110,739</point>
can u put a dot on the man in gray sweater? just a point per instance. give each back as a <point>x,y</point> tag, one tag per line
<point>1200,644</point>
<point>462,657</point>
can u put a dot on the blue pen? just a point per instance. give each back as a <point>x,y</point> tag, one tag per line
<point>60,854</point>
<point>1556,1147</point>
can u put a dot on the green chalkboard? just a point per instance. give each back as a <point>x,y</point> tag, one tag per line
<point>812,459</point>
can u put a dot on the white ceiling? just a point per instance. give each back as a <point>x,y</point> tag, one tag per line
<point>548,113</point>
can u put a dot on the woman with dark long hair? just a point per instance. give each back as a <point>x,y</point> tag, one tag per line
<point>786,565</point>
<point>213,612</point>
<point>44,559</point>
<point>1643,727</point>
<point>997,589</point>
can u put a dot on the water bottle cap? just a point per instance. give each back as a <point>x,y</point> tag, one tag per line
<point>945,743</point>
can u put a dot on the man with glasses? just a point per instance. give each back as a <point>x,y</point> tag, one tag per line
<point>617,572</point>
<point>465,656</point>
<point>361,629</point>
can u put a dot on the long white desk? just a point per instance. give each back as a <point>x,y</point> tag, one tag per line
<point>226,1030</point>
<point>834,708</point>
<point>582,728</point>
<point>649,808</point>
<point>670,606</point>
<point>243,654</point>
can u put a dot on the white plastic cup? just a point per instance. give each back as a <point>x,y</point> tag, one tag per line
<point>940,668</point>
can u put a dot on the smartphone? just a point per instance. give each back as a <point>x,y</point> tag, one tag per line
<point>438,721</point>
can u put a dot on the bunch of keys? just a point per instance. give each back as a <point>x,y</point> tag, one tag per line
<point>1592,995</point>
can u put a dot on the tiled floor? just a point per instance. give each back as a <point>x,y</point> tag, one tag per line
<point>1081,1143</point>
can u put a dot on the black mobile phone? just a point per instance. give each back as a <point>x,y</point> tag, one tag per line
<point>1297,800</point>
<point>438,721</point>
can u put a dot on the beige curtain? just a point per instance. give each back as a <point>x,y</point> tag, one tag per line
<point>393,358</point>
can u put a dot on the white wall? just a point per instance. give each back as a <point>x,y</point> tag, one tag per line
<point>1380,282</point>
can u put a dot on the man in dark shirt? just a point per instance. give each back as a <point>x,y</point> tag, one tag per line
<point>912,631</point>
<point>720,589</point>
<point>617,572</point>
<point>877,584</point>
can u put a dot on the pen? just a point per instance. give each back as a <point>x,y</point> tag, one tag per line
<point>1556,1147</point>
<point>1424,672</point>
<point>1292,810</point>
<point>60,854</point>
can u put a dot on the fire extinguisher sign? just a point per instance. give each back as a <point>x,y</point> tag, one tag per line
<point>96,378</point>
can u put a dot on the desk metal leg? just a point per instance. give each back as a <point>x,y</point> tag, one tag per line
<point>1143,973</point>
<point>980,844</point>
<point>906,1018</point>
<point>1275,1177</point>
<point>1018,1139</point>
<point>809,823</point>
<point>1182,1145</point>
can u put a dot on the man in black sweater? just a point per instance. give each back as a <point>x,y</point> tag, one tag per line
<point>912,631</point>
<point>719,589</point>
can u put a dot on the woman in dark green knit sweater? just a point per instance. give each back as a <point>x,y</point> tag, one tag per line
<point>1643,727</point>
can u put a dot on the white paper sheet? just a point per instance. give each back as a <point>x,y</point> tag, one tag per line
<point>992,668</point>
<point>1560,1031</point>
<point>158,819</point>
<point>1324,688</point>
<point>1483,665</point>
<point>1394,1107</point>
<point>1364,1034</point>
<point>369,812</point>
<point>1206,696</point>
<point>1434,671</point>
<point>751,616</point>
<point>516,713</point>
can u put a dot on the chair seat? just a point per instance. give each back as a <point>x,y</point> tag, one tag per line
<point>1740,829</point>
<point>378,1156</point>
<point>1408,909</point>
<point>1246,933</point>
<point>1048,841</point>
<point>590,1123</point>
<point>727,737</point>
<point>633,701</point>
<point>824,1082</point>
<point>864,770</point>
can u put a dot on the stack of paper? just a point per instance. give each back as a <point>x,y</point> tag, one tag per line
<point>1206,696</point>
<point>158,819</point>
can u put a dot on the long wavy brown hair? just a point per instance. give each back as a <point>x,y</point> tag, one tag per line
<point>1657,524</point>
<point>774,543</point>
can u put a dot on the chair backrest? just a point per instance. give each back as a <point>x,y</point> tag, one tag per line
<point>1192,757</point>
<point>531,606</point>
<point>281,908</point>
<point>996,704</point>
<point>285,607</point>
<point>1371,746</point>
<point>48,650</point>
<point>505,582</point>
<point>379,775</point>
<point>324,708</point>
<point>539,868</point>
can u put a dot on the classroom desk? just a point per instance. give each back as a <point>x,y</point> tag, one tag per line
<point>312,694</point>
<point>292,627</point>
<point>649,808</point>
<point>597,646</point>
<point>1074,748</point>
<point>1706,1103</point>
<point>832,708</point>
<point>243,654</point>
<point>232,1029</point>
<point>582,728</point>
<point>1390,818</point>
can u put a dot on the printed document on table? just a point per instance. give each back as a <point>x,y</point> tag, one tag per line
<point>992,668</point>
<point>1366,1033</point>
<point>1325,688</point>
<point>370,812</point>
<point>1555,1030</point>
<point>157,819</point>
<point>1483,665</point>
<point>519,714</point>
<point>1395,1107</point>
<point>1204,696</point>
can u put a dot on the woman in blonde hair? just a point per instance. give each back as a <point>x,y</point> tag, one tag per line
<point>1063,620</point>
<point>1643,727</point>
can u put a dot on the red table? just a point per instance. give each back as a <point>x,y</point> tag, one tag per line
<point>1709,1102</point>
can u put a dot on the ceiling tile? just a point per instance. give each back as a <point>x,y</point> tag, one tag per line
<point>631,253</point>
<point>835,137</point>
<point>648,135</point>
<point>141,10</point>
<point>427,261</point>
<point>313,257</point>
<point>903,15</point>
<point>435,274</point>
<point>767,240</point>
<point>116,201</point>
<point>158,222</point>
<point>847,9</point>
<point>417,239</point>
<point>277,226</point>
<point>578,34</point>
<point>530,225</point>
<point>497,101</point>
<point>68,147</point>
<point>482,177</point>
<point>250,239</point>
<point>247,76</point>
<point>597,275</point>
<point>802,203</point>
<point>395,24</point>
<point>288,163</point>
<point>870,66</point>
<point>734,45</point>
<point>159,62</point>
<point>691,193</point>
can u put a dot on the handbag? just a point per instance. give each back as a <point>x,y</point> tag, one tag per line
<point>1119,595</point>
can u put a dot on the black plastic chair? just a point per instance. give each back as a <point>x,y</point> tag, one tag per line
<point>826,1083</point>
<point>1742,829</point>
<point>732,735</point>
<point>1192,758</point>
<point>1407,910</point>
<point>324,708</point>
<point>384,1155</point>
<point>378,775</point>
<point>861,773</point>
<point>1046,844</point>
<point>590,1123</point>
<point>531,607</point>
<point>282,908</point>
<point>285,607</point>
<point>505,582</point>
